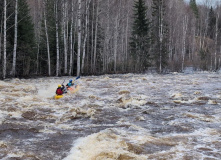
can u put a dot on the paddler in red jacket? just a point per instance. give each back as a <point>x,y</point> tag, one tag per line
<point>59,90</point>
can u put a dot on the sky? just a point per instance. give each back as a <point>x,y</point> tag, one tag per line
<point>211,1</point>
<point>203,1</point>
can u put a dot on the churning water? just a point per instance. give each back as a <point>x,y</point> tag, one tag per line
<point>113,117</point>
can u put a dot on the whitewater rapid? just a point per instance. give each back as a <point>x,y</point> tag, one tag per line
<point>112,117</point>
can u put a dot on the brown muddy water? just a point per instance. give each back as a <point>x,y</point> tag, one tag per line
<point>112,117</point>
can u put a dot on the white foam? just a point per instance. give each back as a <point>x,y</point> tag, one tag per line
<point>102,145</point>
<point>47,91</point>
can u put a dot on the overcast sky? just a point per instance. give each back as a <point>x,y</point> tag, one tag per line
<point>203,1</point>
<point>211,1</point>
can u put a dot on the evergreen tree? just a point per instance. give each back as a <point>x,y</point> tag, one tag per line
<point>159,35</point>
<point>26,40</point>
<point>211,23</point>
<point>194,7</point>
<point>139,41</point>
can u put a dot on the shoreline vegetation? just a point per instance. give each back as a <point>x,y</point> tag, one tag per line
<point>71,38</point>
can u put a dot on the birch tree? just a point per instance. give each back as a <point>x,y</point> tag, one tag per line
<point>216,41</point>
<point>37,20</point>
<point>95,36</point>
<point>64,34</point>
<point>79,39</point>
<point>1,29</point>
<point>107,39</point>
<point>4,40</point>
<point>92,34</point>
<point>126,35</point>
<point>185,21</point>
<point>71,37</point>
<point>103,31</point>
<point>86,33</point>
<point>57,38</point>
<point>15,38</point>
<point>47,40</point>
<point>116,42</point>
<point>159,34</point>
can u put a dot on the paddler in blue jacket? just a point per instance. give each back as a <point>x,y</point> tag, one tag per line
<point>70,83</point>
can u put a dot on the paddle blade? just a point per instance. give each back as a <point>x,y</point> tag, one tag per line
<point>77,77</point>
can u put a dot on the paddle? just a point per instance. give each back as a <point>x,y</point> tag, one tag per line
<point>77,77</point>
<point>63,82</point>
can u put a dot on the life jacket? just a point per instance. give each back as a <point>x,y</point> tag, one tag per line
<point>69,84</point>
<point>59,91</point>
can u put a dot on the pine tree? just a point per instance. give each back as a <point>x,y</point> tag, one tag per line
<point>159,35</point>
<point>139,41</point>
<point>211,23</point>
<point>26,40</point>
<point>194,7</point>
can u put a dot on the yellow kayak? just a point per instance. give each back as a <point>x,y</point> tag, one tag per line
<point>58,96</point>
<point>73,89</point>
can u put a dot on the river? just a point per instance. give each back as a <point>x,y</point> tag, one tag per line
<point>112,117</point>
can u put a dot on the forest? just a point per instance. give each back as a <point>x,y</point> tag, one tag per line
<point>94,37</point>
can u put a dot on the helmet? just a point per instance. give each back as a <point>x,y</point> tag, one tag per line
<point>59,85</point>
<point>70,80</point>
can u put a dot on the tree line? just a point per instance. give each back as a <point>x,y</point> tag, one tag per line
<point>76,37</point>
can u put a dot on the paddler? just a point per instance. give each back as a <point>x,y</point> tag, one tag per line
<point>64,89</point>
<point>59,90</point>
<point>70,83</point>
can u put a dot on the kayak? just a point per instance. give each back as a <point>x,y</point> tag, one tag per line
<point>58,96</point>
<point>71,90</point>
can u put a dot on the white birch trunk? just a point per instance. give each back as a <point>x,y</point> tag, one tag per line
<point>122,57</point>
<point>1,42</point>
<point>115,43</point>
<point>219,61</point>
<point>71,35</point>
<point>4,42</point>
<point>107,39</point>
<point>126,37</point>
<point>193,44</point>
<point>184,40</point>
<point>92,36</point>
<point>47,40</point>
<point>15,38</point>
<point>161,33</point>
<point>57,39</point>
<point>216,41</point>
<point>64,35</point>
<point>1,34</point>
<point>86,33</point>
<point>95,37</point>
<point>38,33</point>
<point>75,39</point>
<point>79,39</point>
